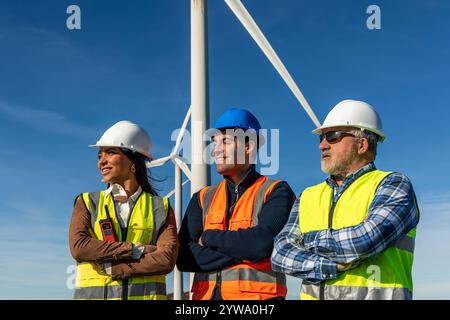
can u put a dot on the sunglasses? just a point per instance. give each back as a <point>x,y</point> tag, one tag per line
<point>335,136</point>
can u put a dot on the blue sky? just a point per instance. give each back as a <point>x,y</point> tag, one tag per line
<point>60,89</point>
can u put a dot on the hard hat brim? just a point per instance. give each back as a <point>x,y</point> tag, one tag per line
<point>381,135</point>
<point>213,131</point>
<point>145,154</point>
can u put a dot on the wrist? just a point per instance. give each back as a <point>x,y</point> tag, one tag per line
<point>137,251</point>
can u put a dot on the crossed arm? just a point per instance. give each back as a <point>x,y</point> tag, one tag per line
<point>216,249</point>
<point>156,259</point>
<point>320,254</point>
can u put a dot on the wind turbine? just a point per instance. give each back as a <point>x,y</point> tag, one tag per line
<point>180,164</point>
<point>175,156</point>
<point>198,76</point>
<point>199,110</point>
<point>250,25</point>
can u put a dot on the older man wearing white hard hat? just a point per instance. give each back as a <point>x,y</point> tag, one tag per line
<point>351,236</point>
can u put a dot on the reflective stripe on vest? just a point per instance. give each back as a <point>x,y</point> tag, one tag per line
<point>311,291</point>
<point>245,274</point>
<point>148,215</point>
<point>255,281</point>
<point>387,275</point>
<point>150,291</point>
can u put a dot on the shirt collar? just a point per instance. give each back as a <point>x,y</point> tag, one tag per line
<point>117,190</point>
<point>352,176</point>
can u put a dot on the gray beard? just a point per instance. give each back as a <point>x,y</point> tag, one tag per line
<point>342,168</point>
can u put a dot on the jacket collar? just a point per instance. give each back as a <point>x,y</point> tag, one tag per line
<point>249,178</point>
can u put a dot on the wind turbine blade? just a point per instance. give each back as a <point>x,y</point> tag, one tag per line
<point>181,133</point>
<point>246,19</point>
<point>158,162</point>
<point>173,191</point>
<point>183,166</point>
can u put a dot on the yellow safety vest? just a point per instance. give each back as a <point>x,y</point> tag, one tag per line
<point>386,276</point>
<point>146,219</point>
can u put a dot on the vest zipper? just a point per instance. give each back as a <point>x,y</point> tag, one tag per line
<point>330,225</point>
<point>125,289</point>
<point>330,215</point>
<point>218,284</point>
<point>124,233</point>
<point>322,291</point>
<point>236,191</point>
<point>231,209</point>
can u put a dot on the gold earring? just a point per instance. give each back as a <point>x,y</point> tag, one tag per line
<point>133,168</point>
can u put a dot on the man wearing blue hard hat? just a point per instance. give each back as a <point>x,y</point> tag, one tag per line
<point>228,231</point>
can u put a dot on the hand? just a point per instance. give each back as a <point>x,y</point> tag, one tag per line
<point>121,270</point>
<point>99,267</point>
<point>345,266</point>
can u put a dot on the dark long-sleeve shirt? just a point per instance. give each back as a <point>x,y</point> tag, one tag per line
<point>224,248</point>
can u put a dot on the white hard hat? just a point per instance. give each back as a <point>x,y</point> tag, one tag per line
<point>353,113</point>
<point>128,135</point>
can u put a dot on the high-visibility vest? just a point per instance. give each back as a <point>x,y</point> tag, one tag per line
<point>386,276</point>
<point>247,280</point>
<point>147,217</point>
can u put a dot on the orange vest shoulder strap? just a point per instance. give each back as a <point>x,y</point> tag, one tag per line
<point>201,196</point>
<point>270,188</point>
<point>206,196</point>
<point>261,197</point>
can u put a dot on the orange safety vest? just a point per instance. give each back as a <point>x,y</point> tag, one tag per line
<point>247,280</point>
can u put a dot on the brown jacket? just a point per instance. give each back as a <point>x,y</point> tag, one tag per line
<point>156,260</point>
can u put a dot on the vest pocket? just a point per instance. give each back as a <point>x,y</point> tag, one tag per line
<point>90,274</point>
<point>251,280</point>
<point>144,234</point>
<point>239,224</point>
<point>216,221</point>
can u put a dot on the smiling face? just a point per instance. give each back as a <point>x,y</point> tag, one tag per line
<point>231,154</point>
<point>224,153</point>
<point>114,165</point>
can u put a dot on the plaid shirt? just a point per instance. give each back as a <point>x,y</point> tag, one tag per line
<point>392,214</point>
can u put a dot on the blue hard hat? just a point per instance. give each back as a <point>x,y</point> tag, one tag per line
<point>237,118</point>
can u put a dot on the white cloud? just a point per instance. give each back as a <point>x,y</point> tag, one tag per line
<point>48,121</point>
<point>35,255</point>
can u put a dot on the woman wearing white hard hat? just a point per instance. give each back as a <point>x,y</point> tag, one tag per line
<point>124,238</point>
